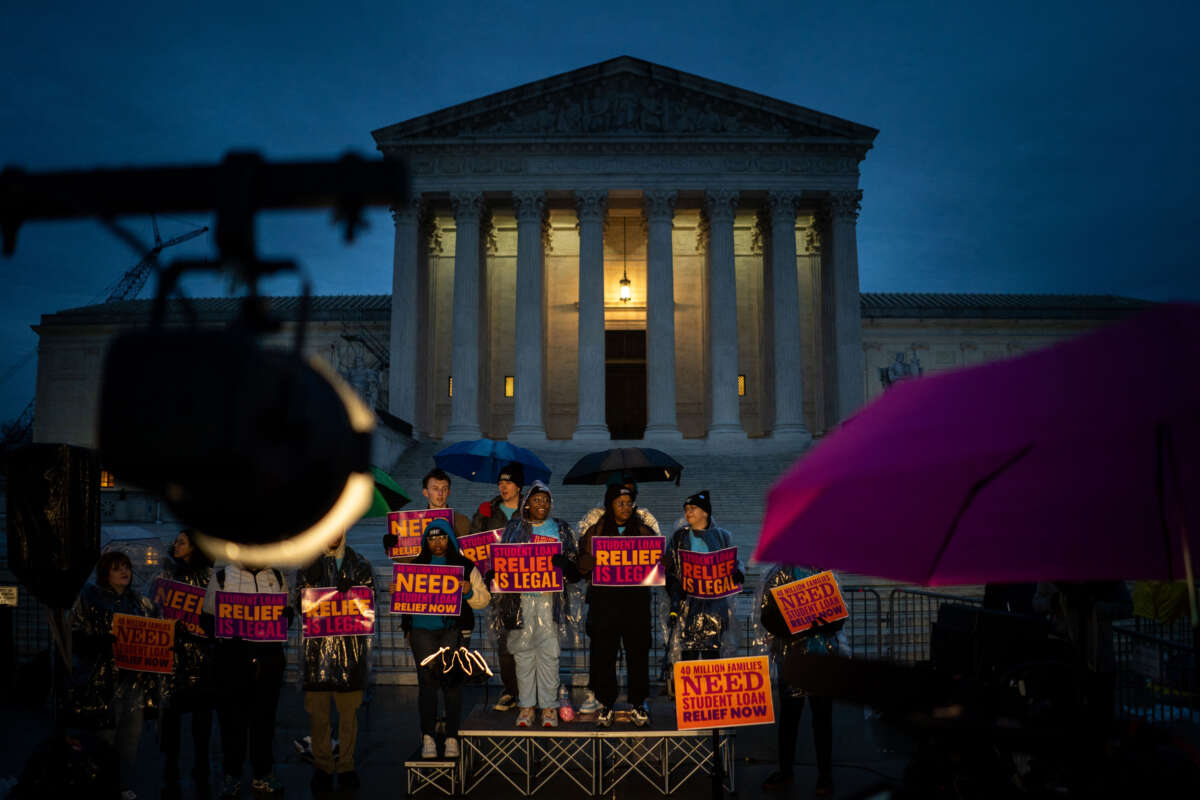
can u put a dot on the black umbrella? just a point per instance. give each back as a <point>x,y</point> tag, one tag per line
<point>643,464</point>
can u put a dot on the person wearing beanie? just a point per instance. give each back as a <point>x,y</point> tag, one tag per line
<point>334,669</point>
<point>618,615</point>
<point>577,600</point>
<point>490,516</point>
<point>532,619</point>
<point>697,626</point>
<point>427,633</point>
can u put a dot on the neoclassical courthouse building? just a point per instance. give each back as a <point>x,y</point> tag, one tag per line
<point>623,251</point>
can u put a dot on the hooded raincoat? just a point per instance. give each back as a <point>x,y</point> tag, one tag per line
<point>479,596</point>
<point>513,609</point>
<point>336,663</point>
<point>96,689</point>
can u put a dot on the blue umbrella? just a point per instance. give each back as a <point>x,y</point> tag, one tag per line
<point>481,460</point>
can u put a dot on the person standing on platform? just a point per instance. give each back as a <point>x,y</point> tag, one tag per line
<point>818,640</point>
<point>532,619</point>
<point>575,598</point>
<point>618,616</point>
<point>697,626</point>
<point>492,515</point>
<point>190,688</point>
<point>427,634</point>
<point>111,701</point>
<point>248,676</point>
<point>335,669</point>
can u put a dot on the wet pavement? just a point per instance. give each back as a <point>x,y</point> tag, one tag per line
<point>866,753</point>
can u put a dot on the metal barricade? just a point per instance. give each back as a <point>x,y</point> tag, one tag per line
<point>1157,678</point>
<point>910,617</point>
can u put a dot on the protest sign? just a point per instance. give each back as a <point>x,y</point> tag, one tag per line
<point>628,561</point>
<point>723,693</point>
<point>408,526</point>
<point>250,616</point>
<point>478,548</point>
<point>327,612</point>
<point>541,538</point>
<point>708,576</point>
<point>434,589</point>
<point>181,601</point>
<point>143,644</point>
<point>804,600</point>
<point>526,567</point>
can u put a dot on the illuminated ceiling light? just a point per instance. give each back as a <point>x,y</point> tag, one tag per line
<point>626,292</point>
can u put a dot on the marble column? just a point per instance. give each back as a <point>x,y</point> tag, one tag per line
<point>530,207</point>
<point>788,352</point>
<point>842,272</point>
<point>722,316</point>
<point>659,207</point>
<point>405,339</point>
<point>591,206</point>
<point>464,357</point>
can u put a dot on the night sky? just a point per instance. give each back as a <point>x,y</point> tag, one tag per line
<point>1023,147</point>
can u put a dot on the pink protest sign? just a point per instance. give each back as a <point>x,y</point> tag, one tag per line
<point>180,601</point>
<point>434,589</point>
<point>328,612</point>
<point>253,617</point>
<point>408,526</point>
<point>540,538</point>
<point>478,548</point>
<point>708,576</point>
<point>526,567</point>
<point>628,561</point>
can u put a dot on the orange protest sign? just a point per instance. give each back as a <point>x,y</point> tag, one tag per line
<point>143,644</point>
<point>804,600</point>
<point>723,693</point>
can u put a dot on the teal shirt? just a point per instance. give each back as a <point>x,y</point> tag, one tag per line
<point>506,511</point>
<point>428,622</point>
<point>696,542</point>
<point>547,528</point>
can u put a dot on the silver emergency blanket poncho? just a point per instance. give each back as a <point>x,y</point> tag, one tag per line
<point>335,663</point>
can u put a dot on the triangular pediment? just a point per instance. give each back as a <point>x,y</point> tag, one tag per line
<point>624,98</point>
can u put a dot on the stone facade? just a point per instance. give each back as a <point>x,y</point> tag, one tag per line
<point>719,195</point>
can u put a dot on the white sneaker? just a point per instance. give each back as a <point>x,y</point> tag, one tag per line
<point>429,747</point>
<point>451,747</point>
<point>590,704</point>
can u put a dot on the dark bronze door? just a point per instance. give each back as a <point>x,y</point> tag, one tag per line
<point>625,383</point>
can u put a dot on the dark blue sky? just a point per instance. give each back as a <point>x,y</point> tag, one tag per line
<point>1023,146</point>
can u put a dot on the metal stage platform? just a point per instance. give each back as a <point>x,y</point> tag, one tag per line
<point>595,760</point>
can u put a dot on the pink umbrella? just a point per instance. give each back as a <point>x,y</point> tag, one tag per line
<point>1077,462</point>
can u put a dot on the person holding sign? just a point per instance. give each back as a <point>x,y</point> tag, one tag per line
<point>181,588</point>
<point>493,515</point>
<point>435,486</point>
<point>819,638</point>
<point>531,619</point>
<point>248,666</point>
<point>112,701</point>
<point>618,614</point>
<point>427,634</point>
<point>335,668</point>
<point>697,625</point>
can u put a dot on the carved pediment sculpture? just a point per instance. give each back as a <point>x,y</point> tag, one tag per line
<point>624,97</point>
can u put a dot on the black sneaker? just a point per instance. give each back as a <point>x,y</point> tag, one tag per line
<point>640,716</point>
<point>321,781</point>
<point>604,717</point>
<point>777,780</point>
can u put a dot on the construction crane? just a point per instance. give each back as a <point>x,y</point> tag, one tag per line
<point>134,279</point>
